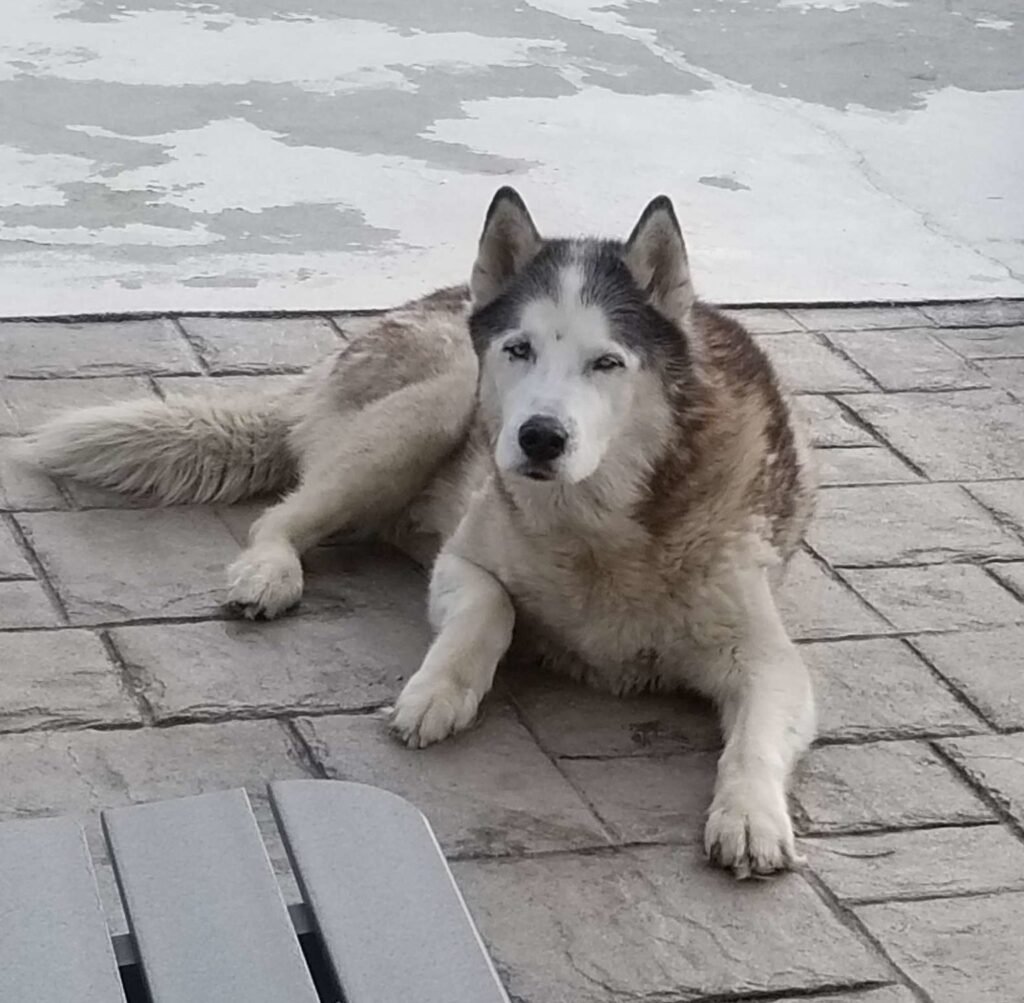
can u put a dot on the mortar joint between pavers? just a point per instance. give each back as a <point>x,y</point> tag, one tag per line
<point>24,544</point>
<point>305,749</point>
<point>865,426</point>
<point>841,353</point>
<point>193,346</point>
<point>854,924</point>
<point>607,829</point>
<point>154,385</point>
<point>955,691</point>
<point>937,896</point>
<point>337,328</point>
<point>819,994</point>
<point>989,567</point>
<point>282,715</point>
<point>980,791</point>
<point>833,573</point>
<point>999,517</point>
<point>130,680</point>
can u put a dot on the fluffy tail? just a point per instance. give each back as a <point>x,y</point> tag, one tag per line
<point>184,449</point>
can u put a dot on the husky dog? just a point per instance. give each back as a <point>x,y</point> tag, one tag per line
<point>603,465</point>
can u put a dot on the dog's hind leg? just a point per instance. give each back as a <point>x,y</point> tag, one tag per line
<point>473,616</point>
<point>764,695</point>
<point>356,469</point>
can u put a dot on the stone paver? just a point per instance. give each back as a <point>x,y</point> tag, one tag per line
<point>991,312</point>
<point>986,342</point>
<point>116,348</point>
<point>570,719</point>
<point>574,817</point>
<point>669,928</point>
<point>829,424</point>
<point>1005,373</point>
<point>995,763</point>
<point>909,360</point>
<point>906,524</point>
<point>202,670</point>
<point>1004,498</point>
<point>31,402</point>
<point>492,791</point>
<point>809,365</point>
<point>60,679</point>
<point>1011,575</point>
<point>85,771</point>
<point>862,318</point>
<point>23,489</point>
<point>955,949</point>
<point>25,604</point>
<point>94,561</point>
<point>985,667</point>
<point>13,563</point>
<point>213,386</point>
<point>866,465</point>
<point>882,785</point>
<point>815,604</point>
<point>919,863</point>
<point>260,345</point>
<point>965,434</point>
<point>661,799</point>
<point>936,597</point>
<point>887,994</point>
<point>765,321</point>
<point>880,688</point>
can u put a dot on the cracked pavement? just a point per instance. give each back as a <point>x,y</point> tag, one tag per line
<point>573,819</point>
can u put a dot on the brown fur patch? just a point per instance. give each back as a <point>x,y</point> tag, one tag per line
<point>734,451</point>
<point>407,346</point>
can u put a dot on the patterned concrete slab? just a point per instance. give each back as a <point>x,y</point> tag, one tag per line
<point>338,154</point>
<point>573,817</point>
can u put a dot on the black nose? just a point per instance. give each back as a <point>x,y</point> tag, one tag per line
<point>542,439</point>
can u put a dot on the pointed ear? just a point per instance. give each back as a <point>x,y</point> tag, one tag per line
<point>508,243</point>
<point>656,255</point>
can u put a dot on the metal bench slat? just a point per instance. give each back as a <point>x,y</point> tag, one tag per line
<point>203,904</point>
<point>389,913</point>
<point>54,942</point>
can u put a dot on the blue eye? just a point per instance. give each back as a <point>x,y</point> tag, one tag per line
<point>519,350</point>
<point>606,363</point>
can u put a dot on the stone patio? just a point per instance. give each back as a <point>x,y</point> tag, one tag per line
<point>574,820</point>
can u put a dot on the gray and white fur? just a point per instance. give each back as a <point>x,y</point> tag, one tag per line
<point>600,467</point>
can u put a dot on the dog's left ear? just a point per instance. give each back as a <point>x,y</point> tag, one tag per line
<point>656,255</point>
<point>508,243</point>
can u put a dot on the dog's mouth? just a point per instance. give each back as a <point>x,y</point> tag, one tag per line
<point>538,473</point>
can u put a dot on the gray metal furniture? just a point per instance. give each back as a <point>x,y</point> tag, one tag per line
<point>206,916</point>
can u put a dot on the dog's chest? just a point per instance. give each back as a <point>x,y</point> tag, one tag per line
<point>620,615</point>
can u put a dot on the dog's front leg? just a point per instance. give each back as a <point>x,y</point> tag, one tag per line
<point>473,617</point>
<point>764,695</point>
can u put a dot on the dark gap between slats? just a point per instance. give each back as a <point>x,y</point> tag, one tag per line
<point>327,990</point>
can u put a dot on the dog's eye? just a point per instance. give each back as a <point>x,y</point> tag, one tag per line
<point>519,350</point>
<point>606,363</point>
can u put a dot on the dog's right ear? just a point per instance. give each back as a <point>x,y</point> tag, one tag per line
<point>508,243</point>
<point>656,255</point>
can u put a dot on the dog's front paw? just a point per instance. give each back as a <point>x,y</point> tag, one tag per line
<point>264,582</point>
<point>432,708</point>
<point>750,833</point>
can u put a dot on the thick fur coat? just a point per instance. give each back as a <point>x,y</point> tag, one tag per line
<point>599,468</point>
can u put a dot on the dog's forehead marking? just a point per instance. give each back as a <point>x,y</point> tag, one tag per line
<point>565,315</point>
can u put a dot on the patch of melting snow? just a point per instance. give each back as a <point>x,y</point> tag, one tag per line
<point>993,24</point>
<point>840,6</point>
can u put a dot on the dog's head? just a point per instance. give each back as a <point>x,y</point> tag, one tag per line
<point>577,339</point>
